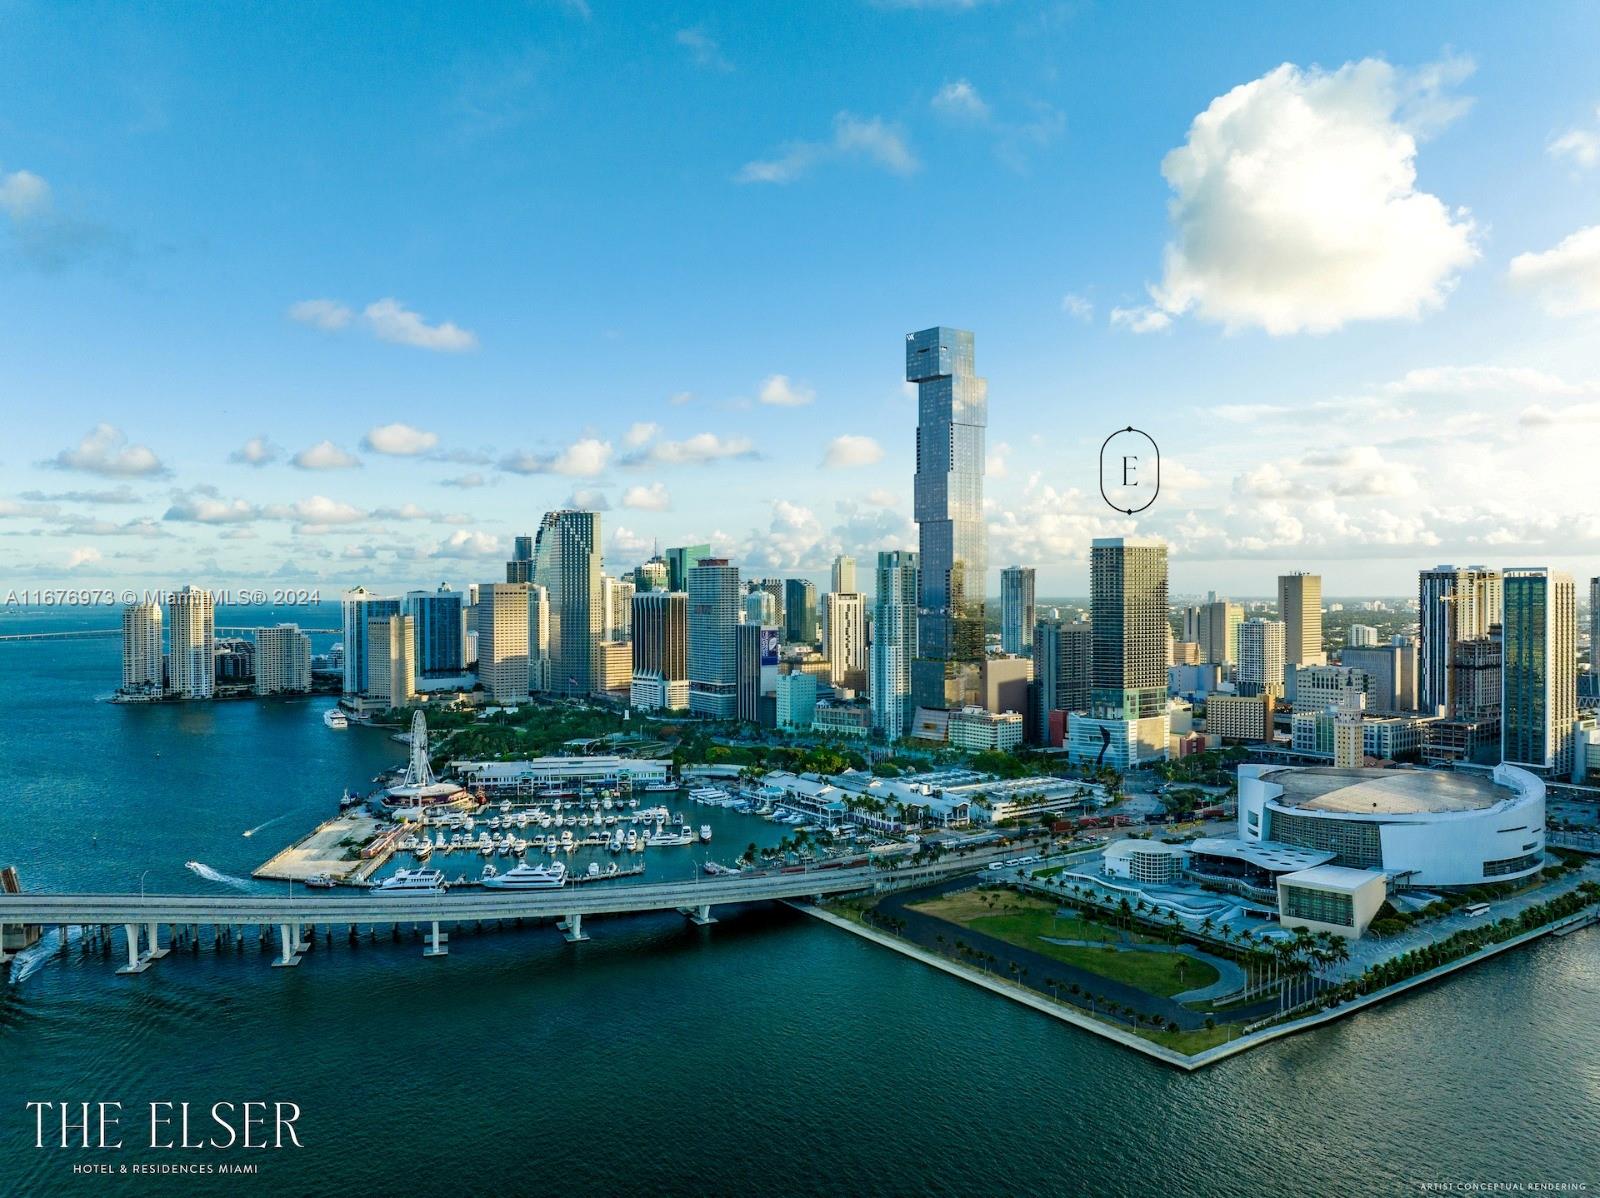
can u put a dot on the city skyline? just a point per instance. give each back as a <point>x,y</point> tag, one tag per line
<point>400,418</point>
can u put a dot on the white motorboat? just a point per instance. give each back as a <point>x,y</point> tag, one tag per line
<point>705,833</point>
<point>424,849</point>
<point>593,871</point>
<point>632,843</point>
<point>413,882</point>
<point>334,718</point>
<point>530,877</point>
<point>615,843</point>
<point>664,837</point>
<point>486,848</point>
<point>320,882</point>
<point>566,839</point>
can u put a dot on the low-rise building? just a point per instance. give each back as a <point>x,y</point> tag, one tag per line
<point>1331,898</point>
<point>842,719</point>
<point>1239,717</point>
<point>978,730</point>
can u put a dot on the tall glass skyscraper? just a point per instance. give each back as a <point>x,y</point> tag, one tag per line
<point>1539,672</point>
<point>436,617</point>
<point>356,608</point>
<point>714,638</point>
<point>1454,604</point>
<point>952,411</point>
<point>1128,596</point>
<point>566,562</point>
<point>1016,609</point>
<point>894,643</point>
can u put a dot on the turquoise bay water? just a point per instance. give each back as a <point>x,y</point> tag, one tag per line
<point>765,1054</point>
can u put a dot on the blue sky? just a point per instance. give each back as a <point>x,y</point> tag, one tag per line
<point>662,258</point>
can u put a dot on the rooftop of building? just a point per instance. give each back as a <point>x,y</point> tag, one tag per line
<point>1332,877</point>
<point>1358,791</point>
<point>1267,855</point>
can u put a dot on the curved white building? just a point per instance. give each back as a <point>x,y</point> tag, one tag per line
<point>1422,827</point>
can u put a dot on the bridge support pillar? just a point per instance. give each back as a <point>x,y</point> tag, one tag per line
<point>5,956</point>
<point>699,916</point>
<point>574,929</point>
<point>301,945</point>
<point>155,952</point>
<point>436,945</point>
<point>136,964</point>
<point>288,941</point>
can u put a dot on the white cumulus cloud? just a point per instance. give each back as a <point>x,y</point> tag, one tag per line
<point>851,450</point>
<point>960,99</point>
<point>325,455</point>
<point>399,440</point>
<point>584,458</point>
<point>1567,277</point>
<point>390,320</point>
<point>1296,207</point>
<point>1581,146</point>
<point>653,498</point>
<point>777,391</point>
<point>105,450</point>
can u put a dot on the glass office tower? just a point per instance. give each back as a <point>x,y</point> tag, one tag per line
<point>566,562</point>
<point>952,411</point>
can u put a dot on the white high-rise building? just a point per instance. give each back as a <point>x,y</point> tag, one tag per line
<point>191,669</point>
<point>760,607</point>
<point>846,639</point>
<point>1362,636</point>
<point>616,598</point>
<point>538,638</point>
<point>392,660</point>
<point>894,642</point>
<point>1017,609</point>
<point>503,627</point>
<point>141,649</point>
<point>1261,657</point>
<point>283,661</point>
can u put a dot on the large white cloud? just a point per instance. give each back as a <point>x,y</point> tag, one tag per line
<point>1296,207</point>
<point>850,450</point>
<point>399,440</point>
<point>105,450</point>
<point>586,457</point>
<point>1567,277</point>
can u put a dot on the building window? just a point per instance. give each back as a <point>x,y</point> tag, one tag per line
<point>1510,865</point>
<point>1354,843</point>
<point>1319,906</point>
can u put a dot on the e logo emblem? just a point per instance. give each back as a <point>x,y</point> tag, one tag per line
<point>1130,470</point>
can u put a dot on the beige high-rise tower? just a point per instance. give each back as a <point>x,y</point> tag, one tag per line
<point>1300,609</point>
<point>503,641</point>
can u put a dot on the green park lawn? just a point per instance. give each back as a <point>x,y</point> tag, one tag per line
<point>1024,919</point>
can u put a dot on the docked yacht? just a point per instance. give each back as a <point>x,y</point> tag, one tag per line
<point>334,718</point>
<point>320,882</point>
<point>412,882</point>
<point>664,837</point>
<point>530,877</point>
<point>705,833</point>
<point>632,843</point>
<point>667,787</point>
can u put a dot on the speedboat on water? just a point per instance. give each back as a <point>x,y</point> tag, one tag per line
<point>530,877</point>
<point>334,718</point>
<point>412,882</point>
<point>705,833</point>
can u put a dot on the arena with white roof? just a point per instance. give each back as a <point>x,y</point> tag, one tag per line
<point>1421,827</point>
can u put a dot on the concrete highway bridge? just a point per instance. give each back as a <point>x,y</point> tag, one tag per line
<point>143,915</point>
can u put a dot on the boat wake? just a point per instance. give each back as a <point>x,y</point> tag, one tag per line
<point>268,824</point>
<point>215,875</point>
<point>30,960</point>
